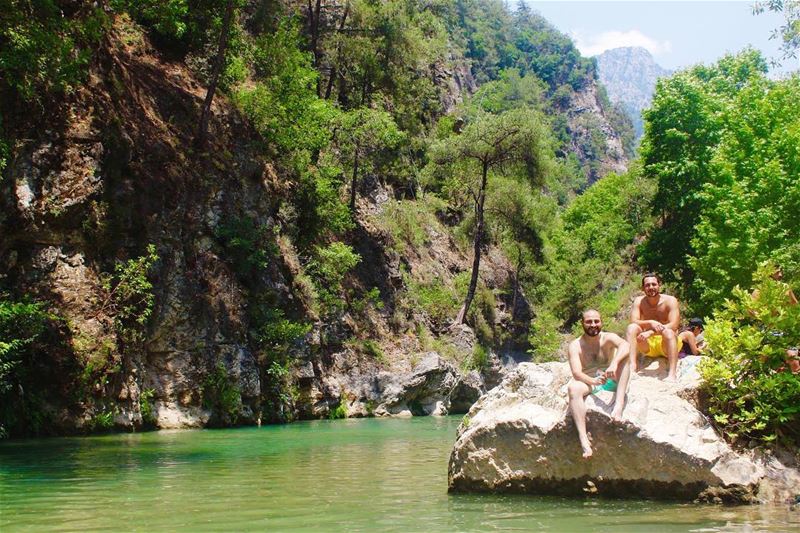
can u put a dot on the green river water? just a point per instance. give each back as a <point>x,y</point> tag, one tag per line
<point>345,475</point>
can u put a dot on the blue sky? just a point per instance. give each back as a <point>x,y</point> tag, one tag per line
<point>677,33</point>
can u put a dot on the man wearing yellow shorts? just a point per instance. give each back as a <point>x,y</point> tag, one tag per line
<point>653,330</point>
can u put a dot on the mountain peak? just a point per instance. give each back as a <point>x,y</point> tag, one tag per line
<point>629,74</point>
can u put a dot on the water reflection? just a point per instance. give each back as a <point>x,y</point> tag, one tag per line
<point>350,475</point>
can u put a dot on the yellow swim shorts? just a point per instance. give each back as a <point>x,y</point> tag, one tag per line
<point>655,349</point>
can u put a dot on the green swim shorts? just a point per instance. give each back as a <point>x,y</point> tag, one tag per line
<point>609,385</point>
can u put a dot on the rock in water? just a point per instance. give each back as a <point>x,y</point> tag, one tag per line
<point>519,437</point>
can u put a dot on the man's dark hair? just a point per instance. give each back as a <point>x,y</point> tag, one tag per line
<point>650,275</point>
<point>696,323</point>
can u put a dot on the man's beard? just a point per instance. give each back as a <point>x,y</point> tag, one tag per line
<point>592,331</point>
<point>650,293</point>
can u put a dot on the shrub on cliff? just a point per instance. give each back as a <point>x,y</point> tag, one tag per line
<point>21,325</point>
<point>752,392</point>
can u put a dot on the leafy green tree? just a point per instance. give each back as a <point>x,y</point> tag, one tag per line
<point>283,104</point>
<point>750,203</point>
<point>682,129</point>
<point>361,135</point>
<point>514,140</point>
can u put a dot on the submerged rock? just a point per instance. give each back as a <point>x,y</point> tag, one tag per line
<point>519,437</point>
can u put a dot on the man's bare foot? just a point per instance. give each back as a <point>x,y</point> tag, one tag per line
<point>616,415</point>
<point>672,378</point>
<point>587,451</point>
<point>586,444</point>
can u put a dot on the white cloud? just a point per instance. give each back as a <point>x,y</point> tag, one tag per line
<point>597,44</point>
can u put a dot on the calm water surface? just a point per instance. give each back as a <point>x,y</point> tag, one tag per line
<point>346,475</point>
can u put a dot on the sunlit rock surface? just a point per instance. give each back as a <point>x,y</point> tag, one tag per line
<point>520,438</point>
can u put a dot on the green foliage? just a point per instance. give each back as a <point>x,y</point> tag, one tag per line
<point>45,47</point>
<point>363,137</point>
<point>283,105</point>
<point>146,407</point>
<point>221,395</point>
<point>609,215</point>
<point>328,268</point>
<point>682,131</point>
<point>248,244</point>
<point>166,17</point>
<point>750,202</point>
<point>751,392</point>
<point>478,360</point>
<point>275,337</point>
<point>21,326</point>
<point>129,296</point>
<point>408,221</point>
<point>368,347</point>
<point>789,33</point>
<point>339,412</point>
<point>102,421</point>
<point>437,300</point>
<point>590,245</point>
<point>545,338</point>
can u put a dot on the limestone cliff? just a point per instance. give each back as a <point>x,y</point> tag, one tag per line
<point>113,171</point>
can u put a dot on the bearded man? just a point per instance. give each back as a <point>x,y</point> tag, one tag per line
<point>589,354</point>
<point>653,330</point>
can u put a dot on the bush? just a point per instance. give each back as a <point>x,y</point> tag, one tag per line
<point>328,268</point>
<point>338,413</point>
<point>129,296</point>
<point>545,338</point>
<point>221,395</point>
<point>435,299</point>
<point>247,244</point>
<point>478,360</point>
<point>21,325</point>
<point>275,336</point>
<point>146,407</point>
<point>751,393</point>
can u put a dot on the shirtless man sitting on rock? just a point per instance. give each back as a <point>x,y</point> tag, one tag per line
<point>653,330</point>
<point>588,355</point>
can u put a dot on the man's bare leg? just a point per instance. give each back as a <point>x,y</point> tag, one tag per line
<point>622,391</point>
<point>631,333</point>
<point>669,345</point>
<point>577,404</point>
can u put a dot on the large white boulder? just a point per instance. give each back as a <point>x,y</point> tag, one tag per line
<point>519,437</point>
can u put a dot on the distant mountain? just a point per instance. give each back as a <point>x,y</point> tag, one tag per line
<point>629,75</point>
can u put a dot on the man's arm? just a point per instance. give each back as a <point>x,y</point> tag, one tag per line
<point>674,318</point>
<point>577,367</point>
<point>636,317</point>
<point>622,353</point>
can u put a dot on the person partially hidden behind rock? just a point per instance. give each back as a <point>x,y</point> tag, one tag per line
<point>599,361</point>
<point>655,318</point>
<point>691,338</point>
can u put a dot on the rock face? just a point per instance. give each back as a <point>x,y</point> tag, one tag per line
<point>586,116</point>
<point>520,438</point>
<point>433,387</point>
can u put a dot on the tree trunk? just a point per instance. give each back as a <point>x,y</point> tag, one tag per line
<point>518,268</point>
<point>314,27</point>
<point>333,72</point>
<point>354,182</point>
<point>476,261</point>
<point>216,71</point>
